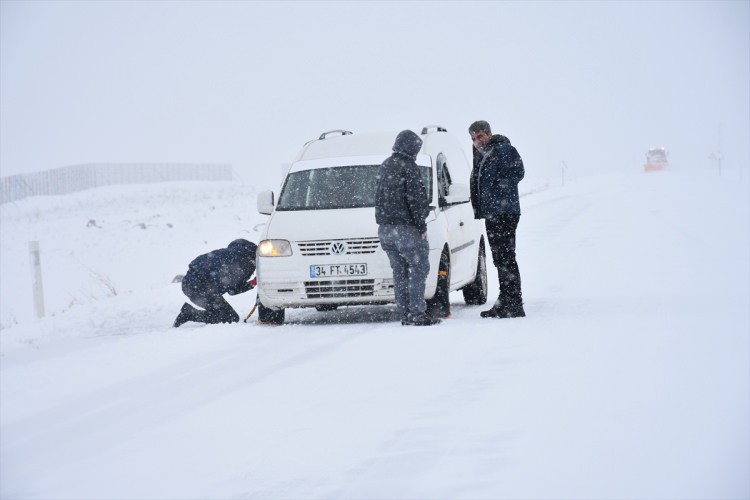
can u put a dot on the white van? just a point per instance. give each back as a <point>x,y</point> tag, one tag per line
<point>320,245</point>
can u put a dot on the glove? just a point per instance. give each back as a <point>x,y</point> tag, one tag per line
<point>253,282</point>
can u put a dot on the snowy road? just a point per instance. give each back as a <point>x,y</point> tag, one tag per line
<point>630,377</point>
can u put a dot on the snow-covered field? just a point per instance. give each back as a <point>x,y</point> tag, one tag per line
<point>630,377</point>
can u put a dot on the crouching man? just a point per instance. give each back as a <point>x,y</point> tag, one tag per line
<point>210,276</point>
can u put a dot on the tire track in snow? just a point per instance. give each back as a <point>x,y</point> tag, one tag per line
<point>104,419</point>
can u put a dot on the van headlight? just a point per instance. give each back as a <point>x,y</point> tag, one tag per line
<point>274,248</point>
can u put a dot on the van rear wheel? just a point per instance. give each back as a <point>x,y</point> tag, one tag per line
<point>475,293</point>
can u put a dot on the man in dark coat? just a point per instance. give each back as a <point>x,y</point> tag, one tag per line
<point>498,168</point>
<point>401,207</point>
<point>210,276</point>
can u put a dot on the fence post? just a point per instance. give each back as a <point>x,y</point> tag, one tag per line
<point>36,271</point>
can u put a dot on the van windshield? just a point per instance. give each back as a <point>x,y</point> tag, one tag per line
<point>336,187</point>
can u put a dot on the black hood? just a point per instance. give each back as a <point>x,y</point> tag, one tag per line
<point>242,246</point>
<point>408,144</point>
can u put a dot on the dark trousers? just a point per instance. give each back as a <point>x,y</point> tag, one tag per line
<point>409,255</point>
<point>217,309</point>
<point>501,233</point>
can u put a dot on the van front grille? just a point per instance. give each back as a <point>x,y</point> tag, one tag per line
<point>339,288</point>
<point>339,247</point>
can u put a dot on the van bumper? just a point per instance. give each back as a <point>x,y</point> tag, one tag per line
<point>285,283</point>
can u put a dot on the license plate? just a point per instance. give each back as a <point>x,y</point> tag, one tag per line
<point>332,270</point>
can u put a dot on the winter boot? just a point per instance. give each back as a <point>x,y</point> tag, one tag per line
<point>499,310</point>
<point>422,320</point>
<point>495,311</point>
<point>187,313</point>
<point>514,312</point>
<point>510,294</point>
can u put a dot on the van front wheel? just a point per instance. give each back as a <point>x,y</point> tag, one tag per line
<point>270,316</point>
<point>475,293</point>
<point>439,306</point>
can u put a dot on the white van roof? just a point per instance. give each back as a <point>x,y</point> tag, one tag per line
<point>345,161</point>
<point>341,143</point>
<point>370,144</point>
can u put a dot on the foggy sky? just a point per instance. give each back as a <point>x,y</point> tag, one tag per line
<point>591,84</point>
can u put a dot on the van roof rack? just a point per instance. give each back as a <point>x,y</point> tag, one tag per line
<point>437,128</point>
<point>325,134</point>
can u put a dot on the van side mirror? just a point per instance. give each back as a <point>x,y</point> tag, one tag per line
<point>457,193</point>
<point>265,202</point>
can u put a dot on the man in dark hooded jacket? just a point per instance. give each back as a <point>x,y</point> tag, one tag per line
<point>498,168</point>
<point>210,276</point>
<point>401,207</point>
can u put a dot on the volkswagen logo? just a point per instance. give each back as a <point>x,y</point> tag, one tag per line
<point>338,247</point>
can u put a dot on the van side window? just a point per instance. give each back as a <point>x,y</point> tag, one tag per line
<point>444,177</point>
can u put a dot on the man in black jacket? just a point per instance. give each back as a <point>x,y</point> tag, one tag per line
<point>498,168</point>
<point>210,276</point>
<point>401,207</point>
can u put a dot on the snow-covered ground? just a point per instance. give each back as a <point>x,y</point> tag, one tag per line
<point>630,377</point>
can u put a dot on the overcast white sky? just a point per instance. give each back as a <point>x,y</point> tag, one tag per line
<point>593,84</point>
